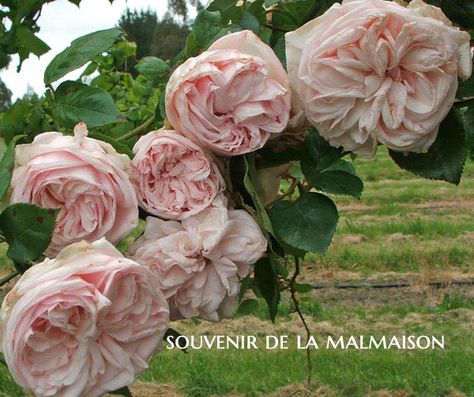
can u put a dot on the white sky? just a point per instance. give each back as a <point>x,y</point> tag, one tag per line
<point>61,22</point>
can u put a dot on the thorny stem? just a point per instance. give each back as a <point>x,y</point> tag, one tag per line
<point>8,278</point>
<point>303,320</point>
<point>138,130</point>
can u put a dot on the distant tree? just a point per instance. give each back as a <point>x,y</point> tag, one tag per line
<point>179,8</point>
<point>161,38</point>
<point>140,27</point>
<point>5,97</point>
<point>169,39</point>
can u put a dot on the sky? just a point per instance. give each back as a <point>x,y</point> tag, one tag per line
<point>60,23</point>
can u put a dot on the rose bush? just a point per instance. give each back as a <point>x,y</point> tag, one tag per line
<point>362,73</point>
<point>230,98</point>
<point>199,261</point>
<point>174,177</point>
<point>82,324</point>
<point>83,177</point>
<point>370,72</point>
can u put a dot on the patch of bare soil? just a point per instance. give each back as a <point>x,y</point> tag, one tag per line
<point>145,389</point>
<point>432,206</point>
<point>302,390</point>
<point>391,393</point>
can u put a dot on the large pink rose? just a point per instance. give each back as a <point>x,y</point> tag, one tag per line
<point>198,262</point>
<point>82,324</point>
<point>231,97</point>
<point>174,178</point>
<point>373,71</point>
<point>83,177</point>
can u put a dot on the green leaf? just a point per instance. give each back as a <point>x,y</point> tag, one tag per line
<point>28,230</point>
<point>248,306</point>
<point>75,102</point>
<point>206,25</point>
<point>228,9</point>
<point>6,166</point>
<point>469,126</point>
<point>466,89</point>
<point>339,178</point>
<point>307,223</point>
<point>446,157</point>
<point>124,391</point>
<point>152,68</point>
<point>320,151</point>
<point>118,146</point>
<point>250,183</point>
<point>267,283</point>
<point>28,43</point>
<point>250,22</point>
<point>81,51</point>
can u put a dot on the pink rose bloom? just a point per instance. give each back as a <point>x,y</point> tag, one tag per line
<point>83,177</point>
<point>199,261</point>
<point>230,98</point>
<point>174,177</point>
<point>373,71</point>
<point>82,324</point>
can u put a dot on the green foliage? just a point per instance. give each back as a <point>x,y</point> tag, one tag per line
<point>5,97</point>
<point>6,167</point>
<point>206,26</point>
<point>18,30</point>
<point>446,157</point>
<point>153,68</point>
<point>468,118</point>
<point>307,223</point>
<point>267,283</point>
<point>81,51</point>
<point>28,230</point>
<point>75,102</point>
<point>28,116</point>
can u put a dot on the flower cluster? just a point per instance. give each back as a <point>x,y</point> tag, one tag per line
<point>367,72</point>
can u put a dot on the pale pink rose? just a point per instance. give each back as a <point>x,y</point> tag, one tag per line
<point>174,178</point>
<point>230,98</point>
<point>85,178</point>
<point>373,71</point>
<point>82,324</point>
<point>199,261</point>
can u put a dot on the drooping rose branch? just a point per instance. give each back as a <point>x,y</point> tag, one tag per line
<point>296,304</point>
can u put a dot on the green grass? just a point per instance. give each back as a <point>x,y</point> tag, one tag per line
<point>351,373</point>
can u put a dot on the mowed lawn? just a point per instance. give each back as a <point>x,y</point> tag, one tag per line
<point>404,227</point>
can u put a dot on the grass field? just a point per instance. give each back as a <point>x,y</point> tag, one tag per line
<point>404,228</point>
